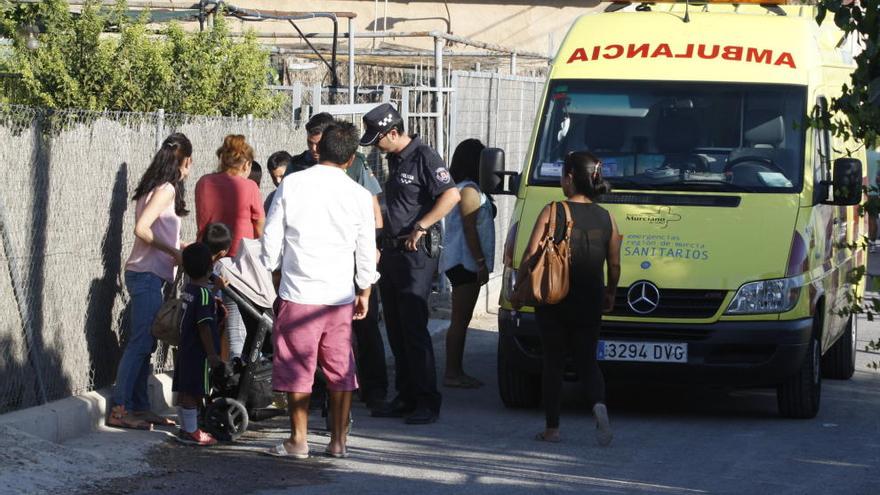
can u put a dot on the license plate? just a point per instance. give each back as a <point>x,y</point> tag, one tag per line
<point>610,350</point>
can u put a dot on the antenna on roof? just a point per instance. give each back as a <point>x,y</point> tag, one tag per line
<point>617,5</point>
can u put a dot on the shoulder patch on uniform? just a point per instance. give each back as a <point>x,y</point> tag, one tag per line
<point>442,175</point>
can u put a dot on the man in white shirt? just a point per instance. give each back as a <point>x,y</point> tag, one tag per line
<point>320,232</point>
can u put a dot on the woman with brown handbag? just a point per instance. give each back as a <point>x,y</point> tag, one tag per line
<point>573,323</point>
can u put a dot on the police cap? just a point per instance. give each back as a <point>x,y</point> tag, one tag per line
<point>379,121</point>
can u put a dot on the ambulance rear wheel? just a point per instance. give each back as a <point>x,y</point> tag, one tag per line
<point>518,388</point>
<point>800,395</point>
<point>839,363</point>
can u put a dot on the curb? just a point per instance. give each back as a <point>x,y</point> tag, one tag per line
<point>65,419</point>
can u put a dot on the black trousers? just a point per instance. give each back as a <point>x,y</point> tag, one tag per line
<point>370,355</point>
<point>567,332</point>
<point>405,283</point>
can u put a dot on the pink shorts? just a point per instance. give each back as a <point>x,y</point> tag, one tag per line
<point>306,335</point>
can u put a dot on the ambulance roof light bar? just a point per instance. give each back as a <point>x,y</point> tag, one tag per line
<point>771,5</point>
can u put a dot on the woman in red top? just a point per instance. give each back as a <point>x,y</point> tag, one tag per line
<point>228,197</point>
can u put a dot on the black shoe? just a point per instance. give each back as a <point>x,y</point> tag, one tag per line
<point>394,409</point>
<point>422,416</point>
<point>374,404</point>
<point>373,399</point>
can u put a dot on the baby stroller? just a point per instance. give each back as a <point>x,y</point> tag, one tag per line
<point>242,390</point>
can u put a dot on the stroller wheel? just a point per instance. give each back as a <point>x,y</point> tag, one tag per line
<point>226,419</point>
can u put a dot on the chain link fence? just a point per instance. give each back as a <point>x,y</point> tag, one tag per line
<point>66,219</point>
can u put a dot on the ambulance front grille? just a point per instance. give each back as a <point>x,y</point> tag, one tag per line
<point>675,303</point>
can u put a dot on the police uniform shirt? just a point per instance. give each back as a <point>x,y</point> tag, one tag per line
<point>301,161</point>
<point>417,176</point>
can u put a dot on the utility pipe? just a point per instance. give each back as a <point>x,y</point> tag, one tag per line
<point>390,53</point>
<point>431,34</point>
<point>183,5</point>
<point>439,83</point>
<point>351,63</point>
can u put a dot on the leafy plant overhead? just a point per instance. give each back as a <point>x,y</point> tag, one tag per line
<point>860,100</point>
<point>76,63</point>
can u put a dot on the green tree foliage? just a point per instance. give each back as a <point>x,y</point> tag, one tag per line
<point>101,59</point>
<point>860,100</point>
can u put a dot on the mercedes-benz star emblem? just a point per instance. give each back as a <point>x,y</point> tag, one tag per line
<point>643,297</point>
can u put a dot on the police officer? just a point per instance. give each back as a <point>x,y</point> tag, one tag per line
<point>418,194</point>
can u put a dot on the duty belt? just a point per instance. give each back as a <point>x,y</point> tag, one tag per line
<point>428,243</point>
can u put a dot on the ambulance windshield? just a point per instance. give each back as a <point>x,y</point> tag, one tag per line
<point>677,136</point>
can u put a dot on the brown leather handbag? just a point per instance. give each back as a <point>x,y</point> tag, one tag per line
<point>544,277</point>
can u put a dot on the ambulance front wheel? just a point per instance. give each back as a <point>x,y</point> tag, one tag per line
<point>518,388</point>
<point>799,396</point>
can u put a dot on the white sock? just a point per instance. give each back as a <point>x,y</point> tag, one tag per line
<point>189,419</point>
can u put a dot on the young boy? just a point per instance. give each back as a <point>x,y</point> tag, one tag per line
<point>218,238</point>
<point>199,341</point>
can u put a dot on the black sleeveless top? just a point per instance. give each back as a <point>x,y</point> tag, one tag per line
<point>589,248</point>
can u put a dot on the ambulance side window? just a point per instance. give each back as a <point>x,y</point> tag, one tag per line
<point>822,155</point>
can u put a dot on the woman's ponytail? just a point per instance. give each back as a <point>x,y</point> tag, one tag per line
<point>586,172</point>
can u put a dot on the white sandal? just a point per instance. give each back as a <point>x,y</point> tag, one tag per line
<point>281,451</point>
<point>603,426</point>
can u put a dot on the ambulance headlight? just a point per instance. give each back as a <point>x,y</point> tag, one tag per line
<point>766,296</point>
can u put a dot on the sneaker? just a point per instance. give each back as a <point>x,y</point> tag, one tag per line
<point>197,437</point>
<point>603,426</point>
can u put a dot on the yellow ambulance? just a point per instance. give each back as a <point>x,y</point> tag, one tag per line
<point>737,218</point>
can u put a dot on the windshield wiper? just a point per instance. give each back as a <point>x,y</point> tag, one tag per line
<point>727,185</point>
<point>619,182</point>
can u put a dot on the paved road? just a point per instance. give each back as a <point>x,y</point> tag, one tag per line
<point>666,441</point>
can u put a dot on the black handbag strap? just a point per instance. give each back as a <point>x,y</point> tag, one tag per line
<point>563,222</point>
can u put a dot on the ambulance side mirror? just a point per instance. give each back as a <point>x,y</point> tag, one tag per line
<point>847,182</point>
<point>493,178</point>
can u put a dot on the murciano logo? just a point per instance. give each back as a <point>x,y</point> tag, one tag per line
<point>661,219</point>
